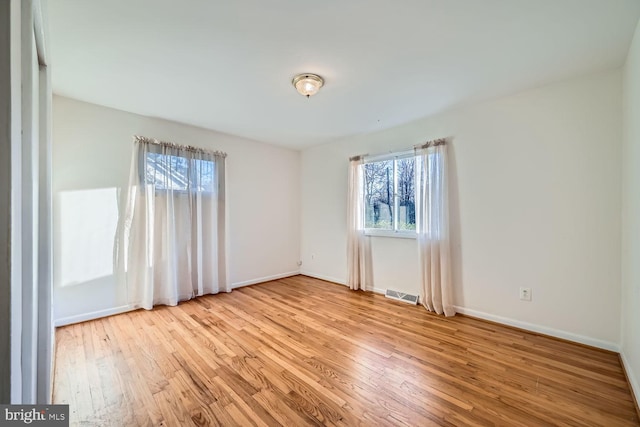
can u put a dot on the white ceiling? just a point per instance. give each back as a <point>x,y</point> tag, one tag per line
<point>228,65</point>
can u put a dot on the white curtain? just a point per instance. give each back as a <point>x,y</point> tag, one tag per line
<point>359,267</point>
<point>172,241</point>
<point>432,224</point>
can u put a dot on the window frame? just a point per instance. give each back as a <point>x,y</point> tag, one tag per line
<point>395,231</point>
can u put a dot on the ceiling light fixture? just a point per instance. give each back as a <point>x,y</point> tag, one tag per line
<point>307,84</point>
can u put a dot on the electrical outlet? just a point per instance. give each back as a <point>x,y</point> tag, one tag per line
<point>525,294</point>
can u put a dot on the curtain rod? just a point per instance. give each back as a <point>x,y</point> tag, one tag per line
<point>139,138</point>
<point>432,143</point>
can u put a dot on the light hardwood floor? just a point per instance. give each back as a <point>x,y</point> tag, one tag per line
<point>301,351</point>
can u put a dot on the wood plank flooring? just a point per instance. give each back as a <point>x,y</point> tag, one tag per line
<point>301,351</point>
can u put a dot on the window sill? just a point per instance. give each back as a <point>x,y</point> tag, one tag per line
<point>390,233</point>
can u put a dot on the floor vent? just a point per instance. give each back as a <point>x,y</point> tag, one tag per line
<point>400,296</point>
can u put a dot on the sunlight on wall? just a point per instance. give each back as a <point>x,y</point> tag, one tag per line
<point>86,229</point>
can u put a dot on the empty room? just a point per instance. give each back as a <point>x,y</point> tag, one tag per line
<point>344,213</point>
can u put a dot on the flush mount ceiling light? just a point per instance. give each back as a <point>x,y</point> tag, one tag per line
<point>307,84</point>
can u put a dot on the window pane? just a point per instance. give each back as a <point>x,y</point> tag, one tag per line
<point>378,194</point>
<point>167,172</point>
<point>203,176</point>
<point>406,193</point>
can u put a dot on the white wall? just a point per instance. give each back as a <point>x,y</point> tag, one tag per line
<point>536,202</point>
<point>630,348</point>
<point>91,160</point>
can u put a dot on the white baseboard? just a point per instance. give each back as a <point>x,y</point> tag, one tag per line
<point>338,281</point>
<point>474,313</point>
<point>323,277</point>
<point>264,279</point>
<point>123,309</point>
<point>569,336</point>
<point>633,380</point>
<point>63,321</point>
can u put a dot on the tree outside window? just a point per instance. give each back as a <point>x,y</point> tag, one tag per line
<point>389,194</point>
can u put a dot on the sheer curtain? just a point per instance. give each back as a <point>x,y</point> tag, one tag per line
<point>172,236</point>
<point>432,224</point>
<point>359,267</point>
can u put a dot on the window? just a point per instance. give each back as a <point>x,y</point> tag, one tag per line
<point>167,172</point>
<point>389,195</point>
<point>175,222</point>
